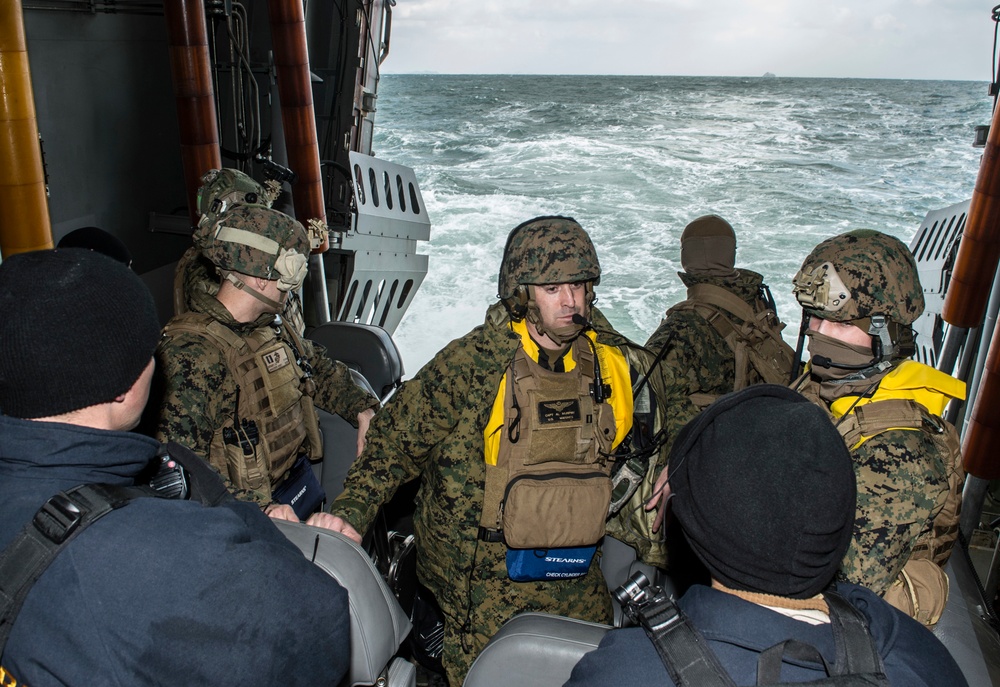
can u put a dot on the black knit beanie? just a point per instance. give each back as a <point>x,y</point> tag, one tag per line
<point>77,328</point>
<point>764,490</point>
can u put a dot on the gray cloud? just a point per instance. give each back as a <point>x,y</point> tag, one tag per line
<point>925,39</point>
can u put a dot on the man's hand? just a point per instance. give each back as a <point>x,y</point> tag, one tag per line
<point>661,493</point>
<point>281,511</point>
<point>332,522</point>
<point>364,420</point>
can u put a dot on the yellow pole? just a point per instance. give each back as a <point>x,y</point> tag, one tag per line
<point>24,210</point>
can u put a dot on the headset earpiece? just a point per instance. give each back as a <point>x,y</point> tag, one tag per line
<point>517,305</point>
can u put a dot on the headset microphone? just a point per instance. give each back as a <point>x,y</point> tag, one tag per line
<point>600,391</point>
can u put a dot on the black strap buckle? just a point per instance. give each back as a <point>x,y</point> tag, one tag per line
<point>58,518</point>
<point>488,535</point>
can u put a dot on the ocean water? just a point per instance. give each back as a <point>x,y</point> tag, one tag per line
<point>788,162</point>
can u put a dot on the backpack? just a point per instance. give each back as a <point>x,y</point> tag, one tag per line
<point>756,341</point>
<point>921,588</point>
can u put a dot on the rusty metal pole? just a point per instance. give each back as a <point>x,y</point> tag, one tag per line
<point>190,66</point>
<point>298,120</point>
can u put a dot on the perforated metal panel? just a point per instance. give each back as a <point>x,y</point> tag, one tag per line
<point>935,246</point>
<point>391,219</point>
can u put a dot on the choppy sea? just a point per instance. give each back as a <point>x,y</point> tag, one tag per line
<point>788,162</point>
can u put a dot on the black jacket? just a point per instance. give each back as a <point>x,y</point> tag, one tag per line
<point>160,591</point>
<point>737,631</point>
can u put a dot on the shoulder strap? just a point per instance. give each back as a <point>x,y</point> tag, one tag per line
<point>856,662</point>
<point>755,337</point>
<point>870,419</point>
<point>55,525</point>
<point>683,649</point>
<point>722,298</point>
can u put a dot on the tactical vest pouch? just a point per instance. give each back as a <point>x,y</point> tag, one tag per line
<point>300,489</point>
<point>920,591</point>
<point>555,510</point>
<point>529,565</point>
<point>244,461</point>
<point>281,377</point>
<point>558,423</point>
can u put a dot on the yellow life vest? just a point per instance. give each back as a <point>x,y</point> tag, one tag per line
<point>614,368</point>
<point>911,381</point>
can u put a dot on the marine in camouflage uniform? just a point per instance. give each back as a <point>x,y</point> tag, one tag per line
<point>697,363</point>
<point>861,293</point>
<point>222,189</point>
<point>433,428</point>
<point>199,391</point>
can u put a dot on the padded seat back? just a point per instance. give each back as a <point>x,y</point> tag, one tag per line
<point>376,364</point>
<point>534,650</point>
<point>364,348</point>
<point>378,623</point>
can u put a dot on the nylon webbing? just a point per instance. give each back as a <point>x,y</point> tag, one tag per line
<point>683,650</point>
<point>55,525</point>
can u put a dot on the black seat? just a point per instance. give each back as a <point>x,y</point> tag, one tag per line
<point>374,358</point>
<point>364,348</point>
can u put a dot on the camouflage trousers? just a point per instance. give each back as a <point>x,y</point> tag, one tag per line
<point>493,599</point>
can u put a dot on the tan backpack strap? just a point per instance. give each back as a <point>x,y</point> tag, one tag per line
<point>875,418</point>
<point>721,298</point>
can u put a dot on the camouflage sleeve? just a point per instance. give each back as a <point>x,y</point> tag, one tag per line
<point>196,392</point>
<point>690,365</point>
<point>901,478</point>
<point>404,435</point>
<point>336,391</point>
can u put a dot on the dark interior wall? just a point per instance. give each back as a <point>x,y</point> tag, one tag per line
<point>106,114</point>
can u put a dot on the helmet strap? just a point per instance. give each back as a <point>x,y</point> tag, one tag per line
<point>249,290</point>
<point>882,344</point>
<point>836,361</point>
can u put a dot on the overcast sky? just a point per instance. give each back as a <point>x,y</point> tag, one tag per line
<point>920,39</point>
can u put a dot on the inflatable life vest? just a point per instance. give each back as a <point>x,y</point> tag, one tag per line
<point>756,342</point>
<point>275,420</point>
<point>549,458</point>
<point>912,397</point>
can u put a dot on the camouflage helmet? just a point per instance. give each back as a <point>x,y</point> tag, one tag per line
<point>860,274</point>
<point>221,189</point>
<point>547,250</point>
<point>260,242</point>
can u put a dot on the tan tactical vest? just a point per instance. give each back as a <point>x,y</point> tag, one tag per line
<point>756,342</point>
<point>921,590</point>
<point>275,420</point>
<point>551,487</point>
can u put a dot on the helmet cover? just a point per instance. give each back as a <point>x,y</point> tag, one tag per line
<point>547,250</point>
<point>221,189</point>
<point>859,274</point>
<point>260,242</point>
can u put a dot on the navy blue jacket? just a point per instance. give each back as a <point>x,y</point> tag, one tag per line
<point>737,631</point>
<point>160,592</point>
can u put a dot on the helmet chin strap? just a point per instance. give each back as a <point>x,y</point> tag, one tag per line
<point>242,286</point>
<point>858,362</point>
